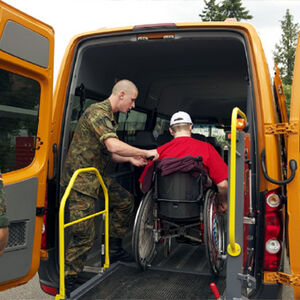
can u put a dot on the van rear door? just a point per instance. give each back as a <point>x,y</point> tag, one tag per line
<point>293,188</point>
<point>26,80</point>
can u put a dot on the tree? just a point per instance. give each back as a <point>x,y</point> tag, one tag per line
<point>219,11</point>
<point>234,9</point>
<point>211,11</point>
<point>284,54</point>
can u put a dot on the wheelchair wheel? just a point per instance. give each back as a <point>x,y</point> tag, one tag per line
<point>214,233</point>
<point>143,243</point>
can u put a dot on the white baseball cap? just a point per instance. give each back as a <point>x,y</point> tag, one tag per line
<point>180,117</point>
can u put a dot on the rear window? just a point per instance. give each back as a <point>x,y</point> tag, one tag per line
<point>19,109</point>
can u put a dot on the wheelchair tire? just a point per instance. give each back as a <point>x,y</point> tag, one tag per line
<point>214,233</point>
<point>143,243</point>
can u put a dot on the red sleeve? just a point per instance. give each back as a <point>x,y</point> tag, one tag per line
<point>217,168</point>
<point>145,171</point>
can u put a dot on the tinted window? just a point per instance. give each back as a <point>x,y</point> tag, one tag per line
<point>161,127</point>
<point>19,107</point>
<point>130,123</point>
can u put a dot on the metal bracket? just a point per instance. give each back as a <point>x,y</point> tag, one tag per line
<point>249,221</point>
<point>248,279</point>
<point>282,128</point>
<point>283,278</point>
<point>38,143</point>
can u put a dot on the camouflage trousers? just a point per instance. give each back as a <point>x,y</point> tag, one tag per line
<point>121,205</point>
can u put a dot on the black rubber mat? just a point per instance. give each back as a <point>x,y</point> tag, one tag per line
<point>128,282</point>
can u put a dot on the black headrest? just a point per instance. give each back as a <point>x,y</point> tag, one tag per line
<point>164,138</point>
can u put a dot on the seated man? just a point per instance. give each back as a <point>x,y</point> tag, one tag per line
<point>183,144</point>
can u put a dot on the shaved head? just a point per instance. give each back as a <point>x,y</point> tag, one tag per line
<point>124,85</point>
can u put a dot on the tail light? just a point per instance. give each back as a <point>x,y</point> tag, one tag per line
<point>49,290</point>
<point>44,228</point>
<point>273,231</point>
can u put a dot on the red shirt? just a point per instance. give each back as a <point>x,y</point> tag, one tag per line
<point>183,146</point>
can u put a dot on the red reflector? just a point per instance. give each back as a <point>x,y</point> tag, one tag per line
<point>49,289</point>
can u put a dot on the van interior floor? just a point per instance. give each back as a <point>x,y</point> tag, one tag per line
<point>129,282</point>
<point>184,274</point>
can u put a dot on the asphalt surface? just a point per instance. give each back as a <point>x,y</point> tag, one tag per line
<point>29,291</point>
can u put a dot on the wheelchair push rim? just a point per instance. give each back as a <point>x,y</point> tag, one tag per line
<point>214,233</point>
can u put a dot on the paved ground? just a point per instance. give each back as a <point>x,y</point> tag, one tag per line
<point>29,291</point>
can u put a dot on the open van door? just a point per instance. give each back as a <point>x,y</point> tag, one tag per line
<point>293,188</point>
<point>26,80</point>
<point>280,99</point>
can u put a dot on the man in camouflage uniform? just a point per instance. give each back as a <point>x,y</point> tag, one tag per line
<point>3,219</point>
<point>94,143</point>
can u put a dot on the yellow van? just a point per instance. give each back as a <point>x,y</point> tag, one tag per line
<point>205,69</point>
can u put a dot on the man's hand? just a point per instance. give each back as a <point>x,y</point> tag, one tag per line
<point>222,196</point>
<point>222,206</point>
<point>138,161</point>
<point>3,239</point>
<point>153,154</point>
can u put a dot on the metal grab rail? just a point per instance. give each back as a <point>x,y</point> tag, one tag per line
<point>233,248</point>
<point>62,227</point>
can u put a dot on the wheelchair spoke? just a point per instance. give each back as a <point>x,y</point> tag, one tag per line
<point>143,232</point>
<point>214,233</point>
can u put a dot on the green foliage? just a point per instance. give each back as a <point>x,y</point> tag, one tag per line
<point>211,11</point>
<point>234,9</point>
<point>220,11</point>
<point>284,54</point>
<point>287,89</point>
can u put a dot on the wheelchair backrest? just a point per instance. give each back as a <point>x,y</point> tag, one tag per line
<point>178,186</point>
<point>179,193</point>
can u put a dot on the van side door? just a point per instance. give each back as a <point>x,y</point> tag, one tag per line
<point>26,80</point>
<point>293,188</point>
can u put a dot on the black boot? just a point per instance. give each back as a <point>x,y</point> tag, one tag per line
<point>116,252</point>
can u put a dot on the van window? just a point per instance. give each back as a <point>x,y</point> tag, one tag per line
<point>130,123</point>
<point>78,107</point>
<point>211,131</point>
<point>19,108</point>
<point>161,127</point>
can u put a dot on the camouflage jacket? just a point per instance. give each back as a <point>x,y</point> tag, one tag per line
<point>3,217</point>
<point>87,148</point>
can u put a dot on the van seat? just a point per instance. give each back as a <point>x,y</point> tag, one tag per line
<point>145,140</point>
<point>198,136</point>
<point>164,138</point>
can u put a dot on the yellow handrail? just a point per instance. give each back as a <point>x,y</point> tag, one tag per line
<point>62,227</point>
<point>233,248</point>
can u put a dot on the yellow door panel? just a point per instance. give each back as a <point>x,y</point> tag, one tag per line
<point>293,194</point>
<point>26,80</point>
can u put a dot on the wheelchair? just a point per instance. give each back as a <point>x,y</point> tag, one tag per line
<point>183,207</point>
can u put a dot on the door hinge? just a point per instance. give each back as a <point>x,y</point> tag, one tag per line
<point>248,279</point>
<point>38,143</point>
<point>282,128</point>
<point>283,278</point>
<point>40,211</point>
